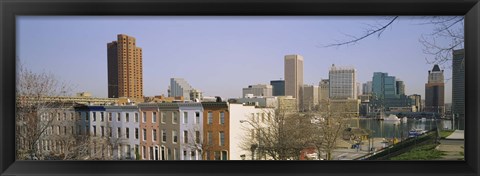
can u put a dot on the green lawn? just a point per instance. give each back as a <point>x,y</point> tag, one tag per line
<point>445,133</point>
<point>426,152</point>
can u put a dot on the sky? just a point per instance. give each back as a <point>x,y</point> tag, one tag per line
<point>222,55</point>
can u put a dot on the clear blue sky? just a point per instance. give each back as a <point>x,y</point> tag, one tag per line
<point>222,55</point>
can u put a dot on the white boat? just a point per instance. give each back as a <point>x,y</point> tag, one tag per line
<point>391,117</point>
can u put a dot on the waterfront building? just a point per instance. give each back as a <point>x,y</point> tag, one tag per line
<point>388,92</point>
<point>260,90</point>
<point>125,72</point>
<point>435,91</point>
<point>416,100</point>
<point>278,87</point>
<point>294,77</point>
<point>342,83</point>
<point>216,131</point>
<point>458,83</point>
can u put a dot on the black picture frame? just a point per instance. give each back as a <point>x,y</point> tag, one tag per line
<point>10,8</point>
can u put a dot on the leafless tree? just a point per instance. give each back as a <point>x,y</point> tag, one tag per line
<point>330,121</point>
<point>447,28</point>
<point>34,116</point>
<point>276,134</point>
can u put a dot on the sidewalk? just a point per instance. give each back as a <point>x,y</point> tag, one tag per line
<point>452,146</point>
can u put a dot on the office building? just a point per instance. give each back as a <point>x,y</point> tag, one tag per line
<point>125,74</point>
<point>367,88</point>
<point>342,83</point>
<point>435,91</point>
<point>179,87</point>
<point>400,86</point>
<point>278,87</point>
<point>310,97</point>
<point>260,90</point>
<point>294,76</point>
<point>324,90</point>
<point>458,83</point>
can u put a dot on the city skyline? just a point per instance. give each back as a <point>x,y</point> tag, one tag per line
<point>239,50</point>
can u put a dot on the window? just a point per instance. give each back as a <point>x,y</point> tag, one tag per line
<point>216,155</point>
<point>197,117</point>
<point>163,117</point>
<point>210,138</point>
<point>174,136</point>
<point>154,117</point>
<point>119,119</point>
<point>210,117</point>
<point>224,155</point>
<point>87,117</point>
<point>109,116</point>
<point>102,129</point>
<point>222,118</point>
<point>110,132</point>
<point>222,138</point>
<point>127,117</point>
<point>144,119</point>
<point>164,136</point>
<point>185,117</point>
<point>193,155</point>
<point>94,130</point>
<point>136,150</point>
<point>144,134</point>
<point>185,137</point>
<point>119,132</point>
<point>143,152</point>
<point>136,133</point>
<point>94,116</point>
<point>154,134</point>
<point>64,116</point>
<point>136,117</point>
<point>127,132</point>
<point>102,118</point>
<point>175,118</point>
<point>197,137</point>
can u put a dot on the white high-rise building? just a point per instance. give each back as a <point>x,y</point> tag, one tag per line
<point>294,77</point>
<point>180,87</point>
<point>259,90</point>
<point>342,83</point>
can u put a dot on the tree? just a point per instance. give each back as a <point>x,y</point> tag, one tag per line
<point>449,28</point>
<point>329,123</point>
<point>273,134</point>
<point>34,116</point>
<point>46,125</point>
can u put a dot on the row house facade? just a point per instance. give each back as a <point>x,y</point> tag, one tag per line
<point>147,131</point>
<point>216,130</point>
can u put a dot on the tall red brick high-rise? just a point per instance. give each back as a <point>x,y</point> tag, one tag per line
<point>125,71</point>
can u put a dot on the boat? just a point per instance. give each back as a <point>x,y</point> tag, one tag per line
<point>416,132</point>
<point>404,120</point>
<point>391,117</point>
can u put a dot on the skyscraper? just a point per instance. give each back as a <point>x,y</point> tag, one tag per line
<point>125,77</point>
<point>343,83</point>
<point>278,87</point>
<point>367,88</point>
<point>294,77</point>
<point>400,87</point>
<point>458,83</point>
<point>434,91</point>
<point>310,97</point>
<point>384,86</point>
